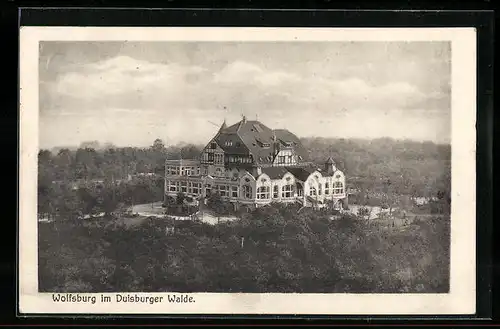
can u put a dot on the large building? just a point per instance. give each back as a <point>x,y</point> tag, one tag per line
<point>250,164</point>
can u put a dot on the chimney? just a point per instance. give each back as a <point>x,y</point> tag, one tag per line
<point>244,120</point>
<point>259,171</point>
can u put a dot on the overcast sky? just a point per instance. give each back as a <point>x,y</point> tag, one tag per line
<point>130,93</point>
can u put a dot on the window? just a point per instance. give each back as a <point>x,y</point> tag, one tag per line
<point>213,145</point>
<point>312,191</point>
<point>171,186</point>
<point>223,190</point>
<point>338,188</point>
<point>257,127</point>
<point>275,191</point>
<point>263,192</point>
<point>287,191</point>
<point>210,157</point>
<point>196,188</point>
<point>319,189</point>
<point>184,187</point>
<point>234,191</point>
<point>327,191</point>
<point>219,158</point>
<point>218,172</point>
<point>281,159</point>
<point>247,191</point>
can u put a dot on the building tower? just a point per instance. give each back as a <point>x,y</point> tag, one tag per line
<point>330,166</point>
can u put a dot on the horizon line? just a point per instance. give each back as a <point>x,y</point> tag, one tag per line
<point>181,143</point>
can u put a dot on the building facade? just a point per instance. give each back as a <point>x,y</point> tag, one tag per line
<point>250,164</point>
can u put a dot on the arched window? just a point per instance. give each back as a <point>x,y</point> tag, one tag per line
<point>263,192</point>
<point>247,191</point>
<point>338,188</point>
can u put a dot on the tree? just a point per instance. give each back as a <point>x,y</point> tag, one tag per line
<point>190,151</point>
<point>109,200</point>
<point>217,205</point>
<point>180,198</point>
<point>158,145</point>
<point>89,201</point>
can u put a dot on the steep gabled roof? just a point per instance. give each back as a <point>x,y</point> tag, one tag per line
<point>236,145</point>
<point>330,160</point>
<point>301,173</point>
<point>253,134</point>
<point>253,137</point>
<point>286,136</point>
<point>274,172</point>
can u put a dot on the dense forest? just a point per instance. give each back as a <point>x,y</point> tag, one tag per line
<point>405,167</point>
<point>271,249</point>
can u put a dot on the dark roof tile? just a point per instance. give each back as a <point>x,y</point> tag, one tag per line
<point>274,172</point>
<point>259,140</point>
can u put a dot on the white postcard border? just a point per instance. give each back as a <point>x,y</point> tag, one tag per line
<point>462,296</point>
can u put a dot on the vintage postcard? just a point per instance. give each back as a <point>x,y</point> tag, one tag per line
<point>247,171</point>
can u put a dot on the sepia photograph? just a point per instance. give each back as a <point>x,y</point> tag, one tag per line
<point>165,169</point>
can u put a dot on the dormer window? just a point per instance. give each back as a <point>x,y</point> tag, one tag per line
<point>266,145</point>
<point>288,144</point>
<point>257,127</point>
<point>228,143</point>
